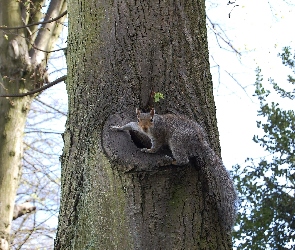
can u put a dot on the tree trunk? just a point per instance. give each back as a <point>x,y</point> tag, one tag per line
<point>113,195</point>
<point>22,68</point>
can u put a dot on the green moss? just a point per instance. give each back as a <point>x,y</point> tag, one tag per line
<point>177,197</point>
<point>102,221</point>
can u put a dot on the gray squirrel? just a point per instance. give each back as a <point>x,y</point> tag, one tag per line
<point>187,139</point>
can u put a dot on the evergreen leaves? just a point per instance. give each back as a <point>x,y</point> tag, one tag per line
<point>267,215</point>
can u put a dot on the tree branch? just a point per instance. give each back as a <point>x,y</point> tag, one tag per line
<point>47,51</point>
<point>21,209</point>
<point>46,32</point>
<point>218,34</point>
<point>32,24</point>
<point>61,79</point>
<point>45,104</point>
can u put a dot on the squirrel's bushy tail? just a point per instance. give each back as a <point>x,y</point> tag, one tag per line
<point>220,186</point>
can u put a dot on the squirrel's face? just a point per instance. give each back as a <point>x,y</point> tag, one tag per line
<point>145,120</point>
<point>145,123</point>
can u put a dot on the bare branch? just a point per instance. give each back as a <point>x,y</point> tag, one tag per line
<point>61,79</point>
<point>47,51</point>
<point>229,3</point>
<point>45,104</point>
<point>219,35</point>
<point>243,88</point>
<point>32,24</point>
<point>21,209</point>
<point>46,33</point>
<point>44,132</point>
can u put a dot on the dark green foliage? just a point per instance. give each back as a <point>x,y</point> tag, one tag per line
<point>267,216</point>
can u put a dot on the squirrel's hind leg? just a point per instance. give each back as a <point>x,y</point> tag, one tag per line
<point>179,154</point>
<point>180,158</point>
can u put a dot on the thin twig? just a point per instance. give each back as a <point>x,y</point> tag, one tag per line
<point>45,51</point>
<point>32,24</point>
<point>243,88</point>
<point>217,34</point>
<point>61,79</point>
<point>45,104</point>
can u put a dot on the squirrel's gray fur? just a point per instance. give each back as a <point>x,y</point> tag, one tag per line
<point>187,139</point>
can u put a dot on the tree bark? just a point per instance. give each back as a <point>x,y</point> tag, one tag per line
<point>113,195</point>
<point>21,70</point>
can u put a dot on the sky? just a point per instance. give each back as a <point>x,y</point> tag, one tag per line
<point>258,30</point>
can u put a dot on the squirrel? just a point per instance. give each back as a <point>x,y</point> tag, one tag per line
<point>187,139</point>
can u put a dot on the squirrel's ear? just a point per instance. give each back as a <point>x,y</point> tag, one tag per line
<point>137,111</point>
<point>152,112</point>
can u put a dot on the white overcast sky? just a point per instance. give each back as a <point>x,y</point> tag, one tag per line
<point>258,29</point>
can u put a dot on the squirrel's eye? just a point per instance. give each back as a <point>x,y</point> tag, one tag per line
<point>138,120</point>
<point>152,120</point>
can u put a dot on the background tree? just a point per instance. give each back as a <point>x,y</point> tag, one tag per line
<point>113,196</point>
<point>25,49</point>
<point>40,179</point>
<point>267,188</point>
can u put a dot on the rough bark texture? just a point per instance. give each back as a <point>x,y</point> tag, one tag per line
<point>113,195</point>
<point>22,68</point>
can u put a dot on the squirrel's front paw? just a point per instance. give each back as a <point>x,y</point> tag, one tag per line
<point>147,150</point>
<point>115,128</point>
